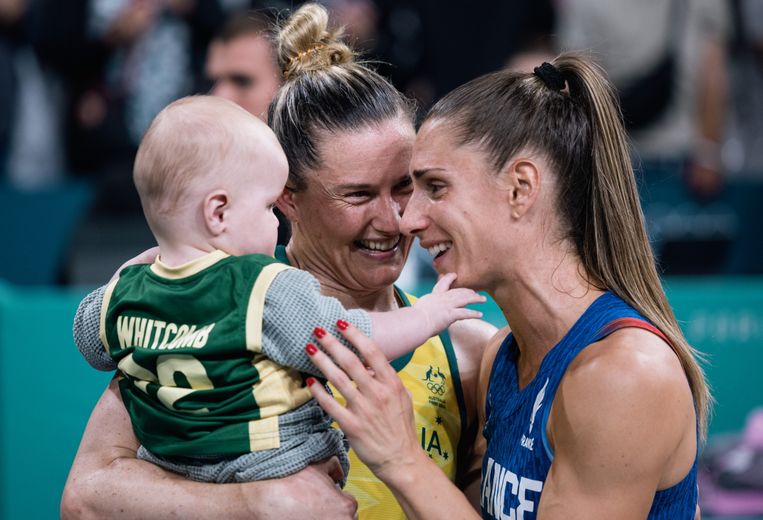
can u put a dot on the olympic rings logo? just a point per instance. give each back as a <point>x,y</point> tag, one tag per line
<point>436,388</point>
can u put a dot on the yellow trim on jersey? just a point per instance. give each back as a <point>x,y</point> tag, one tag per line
<point>430,379</point>
<point>279,390</point>
<point>264,434</point>
<point>104,310</point>
<point>257,305</point>
<point>188,269</point>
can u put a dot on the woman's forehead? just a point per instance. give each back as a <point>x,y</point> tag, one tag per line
<point>368,155</point>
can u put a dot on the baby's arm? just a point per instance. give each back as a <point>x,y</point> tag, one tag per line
<point>403,330</point>
<point>86,331</point>
<point>87,320</point>
<point>294,307</point>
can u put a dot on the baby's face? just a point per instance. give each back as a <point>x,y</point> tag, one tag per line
<point>253,227</point>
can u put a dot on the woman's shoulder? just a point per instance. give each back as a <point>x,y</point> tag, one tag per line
<point>629,381</point>
<point>628,357</point>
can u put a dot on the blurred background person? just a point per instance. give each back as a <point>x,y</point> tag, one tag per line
<point>743,150</point>
<point>668,60</point>
<point>241,63</point>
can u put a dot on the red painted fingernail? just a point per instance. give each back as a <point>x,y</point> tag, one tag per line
<point>310,380</point>
<point>319,332</point>
<point>310,348</point>
<point>342,325</point>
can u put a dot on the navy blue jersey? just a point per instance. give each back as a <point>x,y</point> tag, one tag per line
<point>518,454</point>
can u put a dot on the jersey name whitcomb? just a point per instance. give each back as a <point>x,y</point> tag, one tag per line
<point>134,331</point>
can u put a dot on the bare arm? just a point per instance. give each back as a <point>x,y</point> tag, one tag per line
<point>107,481</point>
<point>622,426</point>
<point>401,331</point>
<point>378,421</point>
<point>470,339</point>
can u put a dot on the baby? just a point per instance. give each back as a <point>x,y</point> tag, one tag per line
<point>210,338</point>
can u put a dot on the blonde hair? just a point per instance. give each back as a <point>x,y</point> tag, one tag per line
<point>325,91</point>
<point>190,138</point>
<point>579,129</point>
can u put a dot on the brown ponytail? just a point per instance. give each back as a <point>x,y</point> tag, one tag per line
<point>580,130</point>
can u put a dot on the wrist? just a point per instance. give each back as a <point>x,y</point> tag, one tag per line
<point>403,471</point>
<point>423,320</point>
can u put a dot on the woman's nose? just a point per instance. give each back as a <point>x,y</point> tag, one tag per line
<point>414,219</point>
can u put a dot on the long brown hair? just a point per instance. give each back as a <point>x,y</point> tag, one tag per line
<point>577,124</point>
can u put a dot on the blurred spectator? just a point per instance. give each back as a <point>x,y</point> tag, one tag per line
<point>743,151</point>
<point>33,142</point>
<point>11,12</point>
<point>146,54</point>
<point>151,64</point>
<point>241,63</point>
<point>669,61</point>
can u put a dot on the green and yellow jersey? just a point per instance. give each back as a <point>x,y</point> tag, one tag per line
<point>430,373</point>
<point>188,342</point>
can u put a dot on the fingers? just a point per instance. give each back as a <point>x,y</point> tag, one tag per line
<point>461,297</point>
<point>375,359</point>
<point>444,283</point>
<point>344,358</point>
<point>466,314</point>
<point>326,401</point>
<point>336,375</point>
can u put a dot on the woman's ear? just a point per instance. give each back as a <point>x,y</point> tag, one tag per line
<point>287,205</point>
<point>216,206</point>
<point>521,179</point>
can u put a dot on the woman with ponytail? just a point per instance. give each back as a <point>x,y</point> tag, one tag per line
<point>594,404</point>
<point>348,136</point>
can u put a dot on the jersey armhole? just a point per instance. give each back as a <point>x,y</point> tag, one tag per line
<point>606,330</point>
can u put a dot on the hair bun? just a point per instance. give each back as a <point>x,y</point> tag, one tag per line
<point>305,43</point>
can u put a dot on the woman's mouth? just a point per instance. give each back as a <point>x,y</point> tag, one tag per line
<point>378,246</point>
<point>438,250</point>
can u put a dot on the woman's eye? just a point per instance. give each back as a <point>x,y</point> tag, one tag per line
<point>358,195</point>
<point>435,187</point>
<point>405,184</point>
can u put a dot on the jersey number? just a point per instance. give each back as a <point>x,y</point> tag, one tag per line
<point>167,366</point>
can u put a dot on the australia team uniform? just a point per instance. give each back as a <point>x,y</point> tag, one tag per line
<point>430,373</point>
<point>518,454</point>
<point>212,355</point>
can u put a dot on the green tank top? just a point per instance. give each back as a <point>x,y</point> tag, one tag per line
<point>188,342</point>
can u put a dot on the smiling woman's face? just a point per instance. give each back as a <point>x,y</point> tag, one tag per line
<point>457,210</point>
<point>348,217</point>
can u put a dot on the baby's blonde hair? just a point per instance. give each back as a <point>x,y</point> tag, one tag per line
<point>192,138</point>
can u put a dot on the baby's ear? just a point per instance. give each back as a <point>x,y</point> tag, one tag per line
<point>216,206</point>
<point>286,204</point>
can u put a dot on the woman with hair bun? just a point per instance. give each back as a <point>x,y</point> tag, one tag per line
<point>348,136</point>
<point>594,405</point>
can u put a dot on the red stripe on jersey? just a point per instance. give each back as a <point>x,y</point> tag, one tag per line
<point>624,323</point>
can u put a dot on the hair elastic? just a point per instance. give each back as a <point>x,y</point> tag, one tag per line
<point>550,76</point>
<point>300,55</point>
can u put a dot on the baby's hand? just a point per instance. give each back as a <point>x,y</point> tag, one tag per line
<point>444,305</point>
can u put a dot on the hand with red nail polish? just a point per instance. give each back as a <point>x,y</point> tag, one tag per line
<point>310,349</point>
<point>342,325</point>
<point>319,332</point>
